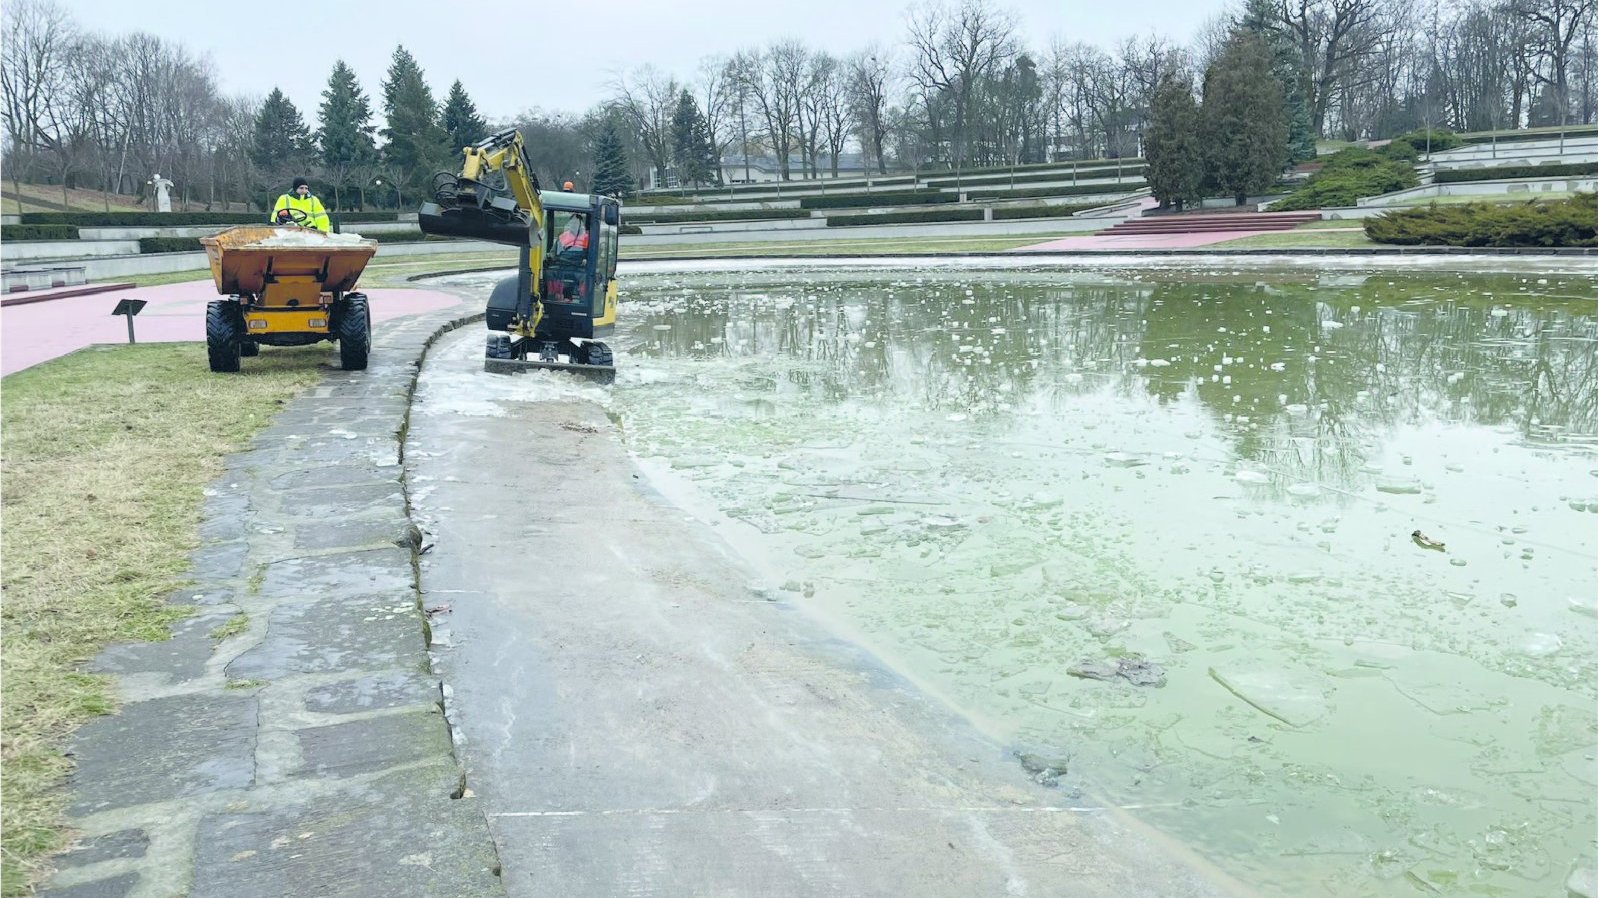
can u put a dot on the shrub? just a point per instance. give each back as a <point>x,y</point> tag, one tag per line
<point>713,215</point>
<point>1517,171</point>
<point>1569,222</point>
<point>1036,212</point>
<point>1347,176</point>
<point>919,215</point>
<point>866,200</point>
<point>627,229</point>
<point>38,232</point>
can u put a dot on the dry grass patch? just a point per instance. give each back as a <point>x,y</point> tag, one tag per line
<point>103,458</point>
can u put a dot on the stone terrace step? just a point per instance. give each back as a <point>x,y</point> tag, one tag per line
<point>1185,224</point>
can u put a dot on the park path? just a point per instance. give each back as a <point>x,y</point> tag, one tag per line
<point>39,331</point>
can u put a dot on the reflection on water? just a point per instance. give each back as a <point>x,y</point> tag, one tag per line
<point>995,477</point>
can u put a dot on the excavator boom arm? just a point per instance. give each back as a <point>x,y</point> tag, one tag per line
<point>494,197</point>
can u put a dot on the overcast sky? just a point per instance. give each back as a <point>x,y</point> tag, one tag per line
<point>500,50</point>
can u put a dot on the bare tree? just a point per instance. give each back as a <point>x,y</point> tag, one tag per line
<point>952,52</point>
<point>717,97</point>
<point>1333,38</point>
<point>772,79</point>
<point>1556,24</point>
<point>870,80</point>
<point>834,107</point>
<point>38,40</point>
<point>648,101</point>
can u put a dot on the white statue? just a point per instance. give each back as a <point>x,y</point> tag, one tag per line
<point>163,201</point>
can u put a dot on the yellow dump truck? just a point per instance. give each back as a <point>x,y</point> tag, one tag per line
<point>286,286</point>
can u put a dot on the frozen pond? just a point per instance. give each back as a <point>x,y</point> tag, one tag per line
<point>1011,482</point>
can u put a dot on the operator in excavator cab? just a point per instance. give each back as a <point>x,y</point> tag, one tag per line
<point>300,207</point>
<point>572,244</point>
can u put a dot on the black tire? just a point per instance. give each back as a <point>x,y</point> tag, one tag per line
<point>249,349</point>
<point>498,347</point>
<point>354,333</point>
<point>224,335</point>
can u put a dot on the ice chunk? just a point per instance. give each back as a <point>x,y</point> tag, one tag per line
<point>1295,698</point>
<point>298,237</point>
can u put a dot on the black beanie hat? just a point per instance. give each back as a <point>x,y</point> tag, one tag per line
<point>300,182</point>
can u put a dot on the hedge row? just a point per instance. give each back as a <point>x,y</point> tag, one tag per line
<point>1058,174</point>
<point>39,232</point>
<point>1061,211</point>
<point>1517,171</point>
<point>175,219</point>
<point>884,198</point>
<point>169,244</point>
<point>1068,190</point>
<point>727,215</point>
<point>1568,222</point>
<point>919,215</point>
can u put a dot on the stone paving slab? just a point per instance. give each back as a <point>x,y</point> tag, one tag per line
<point>166,748</point>
<point>303,751</point>
<point>400,835</point>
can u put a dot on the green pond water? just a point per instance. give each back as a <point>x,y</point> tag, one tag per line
<point>994,477</point>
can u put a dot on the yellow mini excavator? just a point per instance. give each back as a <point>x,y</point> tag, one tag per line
<point>563,297</point>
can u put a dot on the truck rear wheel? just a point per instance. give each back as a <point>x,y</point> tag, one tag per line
<point>249,349</point>
<point>224,335</point>
<point>354,333</point>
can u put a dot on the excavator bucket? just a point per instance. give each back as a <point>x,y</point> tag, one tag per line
<point>476,223</point>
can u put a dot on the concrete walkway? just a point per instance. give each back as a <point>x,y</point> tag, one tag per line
<point>308,754</point>
<point>638,719</point>
<point>40,331</point>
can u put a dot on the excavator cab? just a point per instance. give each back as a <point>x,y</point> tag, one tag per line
<point>578,289</point>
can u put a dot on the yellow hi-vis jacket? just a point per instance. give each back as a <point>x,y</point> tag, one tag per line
<point>315,215</point>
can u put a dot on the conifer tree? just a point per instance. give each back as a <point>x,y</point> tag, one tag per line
<point>461,122</point>
<point>282,142</point>
<point>1175,159</point>
<point>414,141</point>
<point>345,137</point>
<point>1243,119</point>
<point>612,175</point>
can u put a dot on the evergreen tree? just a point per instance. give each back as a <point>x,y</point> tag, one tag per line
<point>461,121</point>
<point>1260,18</point>
<point>345,138</point>
<point>612,175</point>
<point>1175,158</point>
<point>1243,119</point>
<point>414,144</point>
<point>282,142</point>
<point>688,131</point>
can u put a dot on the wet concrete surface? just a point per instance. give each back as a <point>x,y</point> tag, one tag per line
<point>638,717</point>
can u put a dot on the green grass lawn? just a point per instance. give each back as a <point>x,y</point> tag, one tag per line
<point>1353,224</point>
<point>104,454</point>
<point>1313,238</point>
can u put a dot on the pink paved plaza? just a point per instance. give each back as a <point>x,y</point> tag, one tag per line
<point>39,331</point>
